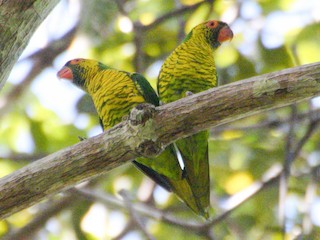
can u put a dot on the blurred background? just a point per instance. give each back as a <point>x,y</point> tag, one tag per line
<point>40,115</point>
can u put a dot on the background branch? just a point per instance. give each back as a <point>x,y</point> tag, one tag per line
<point>140,29</point>
<point>135,217</point>
<point>41,60</point>
<point>48,211</point>
<point>313,115</point>
<point>149,129</point>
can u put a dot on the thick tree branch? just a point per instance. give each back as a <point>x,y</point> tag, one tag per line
<point>237,100</point>
<point>18,21</point>
<point>149,129</point>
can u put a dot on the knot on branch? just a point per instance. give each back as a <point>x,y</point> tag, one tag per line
<point>143,128</point>
<point>141,113</point>
<point>149,149</point>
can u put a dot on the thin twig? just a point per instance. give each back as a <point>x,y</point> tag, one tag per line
<point>134,215</point>
<point>120,5</point>
<point>140,29</point>
<point>292,154</point>
<point>182,23</point>
<point>270,178</point>
<point>173,13</point>
<point>49,210</point>
<point>283,184</point>
<point>313,115</point>
<point>310,130</point>
<point>125,231</point>
<point>138,62</point>
<point>290,141</point>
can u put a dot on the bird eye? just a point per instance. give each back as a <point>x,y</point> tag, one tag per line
<point>212,24</point>
<point>76,61</point>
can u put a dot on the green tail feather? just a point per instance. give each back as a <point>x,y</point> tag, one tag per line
<point>194,151</point>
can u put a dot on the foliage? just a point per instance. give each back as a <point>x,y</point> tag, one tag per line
<point>133,35</point>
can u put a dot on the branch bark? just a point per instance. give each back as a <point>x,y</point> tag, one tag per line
<point>18,21</point>
<point>148,130</point>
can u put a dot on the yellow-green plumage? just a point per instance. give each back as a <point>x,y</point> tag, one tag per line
<point>112,104</point>
<point>187,68</point>
<point>191,68</point>
<point>114,94</point>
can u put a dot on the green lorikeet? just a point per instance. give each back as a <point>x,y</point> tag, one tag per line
<point>191,68</point>
<point>114,94</point>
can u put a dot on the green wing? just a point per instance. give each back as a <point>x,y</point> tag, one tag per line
<point>167,164</point>
<point>164,169</point>
<point>145,89</point>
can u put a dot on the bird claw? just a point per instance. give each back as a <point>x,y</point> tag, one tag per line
<point>189,93</point>
<point>125,117</point>
<point>81,138</point>
<point>141,113</point>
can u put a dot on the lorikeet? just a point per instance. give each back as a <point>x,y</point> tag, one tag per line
<point>191,69</point>
<point>114,94</point>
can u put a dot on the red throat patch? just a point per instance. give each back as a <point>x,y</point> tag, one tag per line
<point>65,73</point>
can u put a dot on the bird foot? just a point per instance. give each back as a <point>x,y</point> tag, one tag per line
<point>81,138</point>
<point>141,113</point>
<point>189,93</point>
<point>125,118</point>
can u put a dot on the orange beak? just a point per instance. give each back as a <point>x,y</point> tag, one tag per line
<point>65,73</point>
<point>225,34</point>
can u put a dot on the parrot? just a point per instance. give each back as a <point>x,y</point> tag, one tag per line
<point>191,69</point>
<point>114,93</point>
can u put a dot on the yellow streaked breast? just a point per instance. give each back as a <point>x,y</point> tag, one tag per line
<point>114,94</point>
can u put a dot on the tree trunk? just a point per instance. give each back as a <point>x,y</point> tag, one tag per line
<point>18,21</point>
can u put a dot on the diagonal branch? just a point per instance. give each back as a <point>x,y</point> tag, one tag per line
<point>172,14</point>
<point>270,178</point>
<point>34,225</point>
<point>149,129</point>
<point>135,217</point>
<point>140,29</point>
<point>289,158</point>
